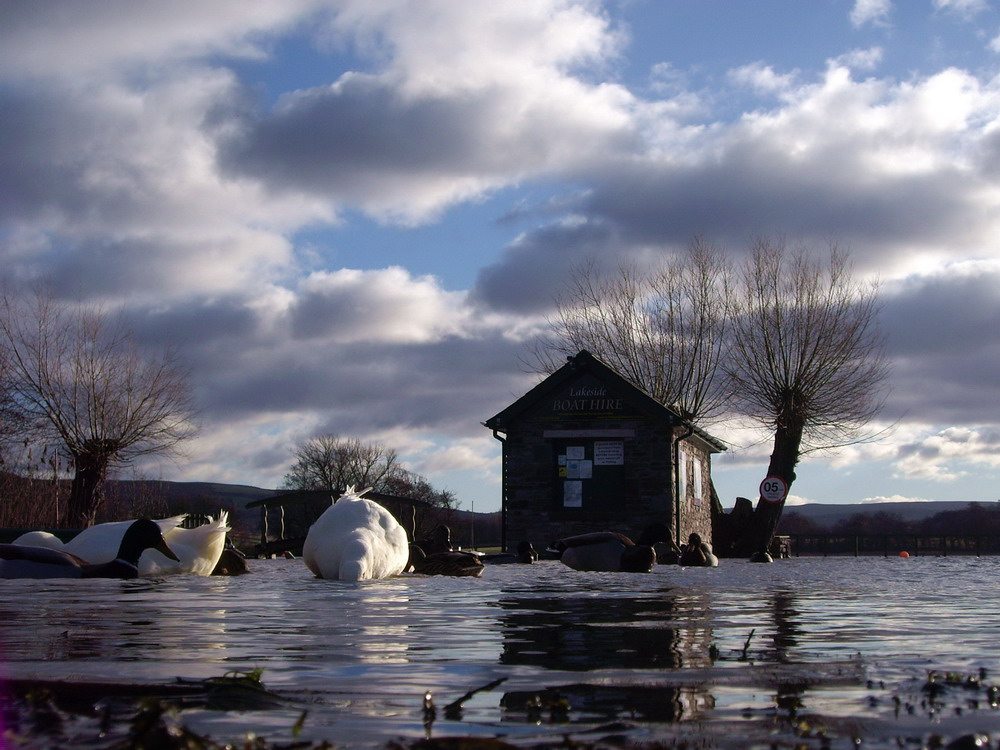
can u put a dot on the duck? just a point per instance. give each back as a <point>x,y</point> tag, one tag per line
<point>438,541</point>
<point>232,562</point>
<point>526,554</point>
<point>452,563</point>
<point>698,553</point>
<point>356,539</point>
<point>657,535</point>
<point>605,551</point>
<point>109,534</point>
<point>196,551</point>
<point>26,561</point>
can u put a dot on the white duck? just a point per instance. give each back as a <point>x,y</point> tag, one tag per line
<point>198,549</point>
<point>355,539</point>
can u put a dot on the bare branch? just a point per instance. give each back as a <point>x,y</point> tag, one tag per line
<point>662,328</point>
<point>80,374</point>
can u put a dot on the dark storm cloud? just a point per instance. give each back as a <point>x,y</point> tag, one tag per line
<point>368,142</point>
<point>40,169</point>
<point>751,194</point>
<point>943,334</point>
<point>754,191</point>
<point>207,326</point>
<point>329,139</point>
<point>319,312</point>
<point>534,270</point>
<point>943,314</point>
<point>365,387</point>
<point>359,136</point>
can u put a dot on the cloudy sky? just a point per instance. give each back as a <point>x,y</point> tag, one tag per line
<point>350,215</point>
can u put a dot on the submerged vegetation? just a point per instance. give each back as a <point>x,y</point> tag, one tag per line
<point>143,717</point>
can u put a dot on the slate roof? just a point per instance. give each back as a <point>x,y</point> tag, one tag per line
<point>584,361</point>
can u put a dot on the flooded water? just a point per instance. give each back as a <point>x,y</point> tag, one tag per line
<point>807,652</point>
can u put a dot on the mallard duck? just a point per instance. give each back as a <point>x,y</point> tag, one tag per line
<point>355,539</point>
<point>454,563</point>
<point>698,553</point>
<point>438,541</point>
<point>232,562</point>
<point>658,536</point>
<point>39,539</point>
<point>25,561</point>
<point>98,543</point>
<point>605,551</point>
<point>526,554</point>
<point>197,550</point>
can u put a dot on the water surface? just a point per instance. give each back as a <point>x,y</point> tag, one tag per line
<point>816,651</point>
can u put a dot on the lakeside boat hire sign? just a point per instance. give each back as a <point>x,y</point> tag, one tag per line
<point>589,397</point>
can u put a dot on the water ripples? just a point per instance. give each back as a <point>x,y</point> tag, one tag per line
<point>678,650</point>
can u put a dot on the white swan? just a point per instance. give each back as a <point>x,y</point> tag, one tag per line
<point>198,549</point>
<point>355,539</point>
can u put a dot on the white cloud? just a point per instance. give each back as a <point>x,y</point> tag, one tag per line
<point>894,499</point>
<point>762,78</point>
<point>64,39</point>
<point>870,11</point>
<point>381,306</point>
<point>793,500</point>
<point>964,8</point>
<point>949,453</point>
<point>860,59</point>
<point>466,98</point>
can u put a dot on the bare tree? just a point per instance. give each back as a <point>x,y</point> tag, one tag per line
<point>412,485</point>
<point>329,462</point>
<point>806,361</point>
<point>14,422</point>
<point>81,375</point>
<point>661,328</point>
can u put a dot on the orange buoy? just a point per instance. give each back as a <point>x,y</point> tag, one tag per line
<point>904,553</point>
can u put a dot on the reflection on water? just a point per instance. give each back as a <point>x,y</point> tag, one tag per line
<point>587,633</point>
<point>739,651</point>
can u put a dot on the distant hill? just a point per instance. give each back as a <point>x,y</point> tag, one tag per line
<point>209,495</point>
<point>829,514</point>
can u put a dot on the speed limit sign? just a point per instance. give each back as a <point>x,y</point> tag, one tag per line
<point>773,489</point>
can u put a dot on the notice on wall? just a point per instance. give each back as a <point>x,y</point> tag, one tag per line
<point>579,469</point>
<point>573,494</point>
<point>609,453</point>
<point>575,452</point>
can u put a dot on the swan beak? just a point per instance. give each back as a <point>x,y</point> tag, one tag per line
<point>162,547</point>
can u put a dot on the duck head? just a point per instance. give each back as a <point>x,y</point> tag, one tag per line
<point>142,535</point>
<point>638,558</point>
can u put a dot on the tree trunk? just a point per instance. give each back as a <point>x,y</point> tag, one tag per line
<point>757,535</point>
<point>87,491</point>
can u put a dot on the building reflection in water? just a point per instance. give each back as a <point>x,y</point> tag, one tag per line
<point>601,634</point>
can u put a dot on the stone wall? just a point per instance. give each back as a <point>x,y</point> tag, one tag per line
<point>534,512</point>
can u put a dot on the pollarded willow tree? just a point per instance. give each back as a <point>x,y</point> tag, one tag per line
<point>662,327</point>
<point>79,375</point>
<point>806,361</point>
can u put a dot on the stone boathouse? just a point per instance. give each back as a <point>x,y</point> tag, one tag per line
<point>585,450</point>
